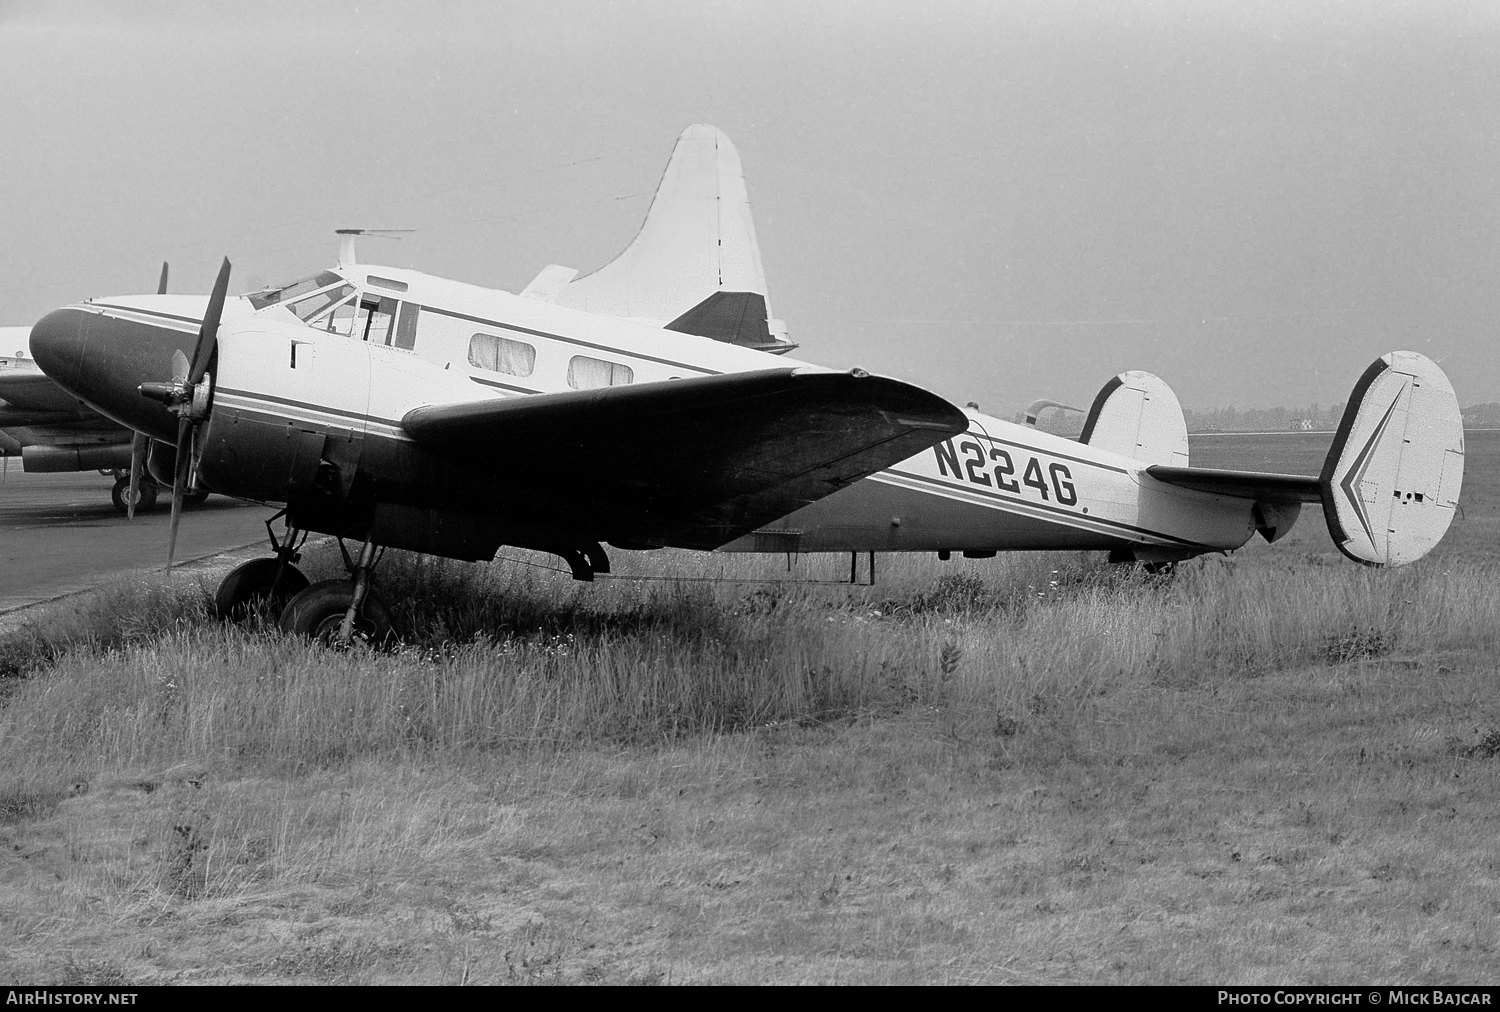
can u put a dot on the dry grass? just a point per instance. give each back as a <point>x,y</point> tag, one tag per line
<point>1032,769</point>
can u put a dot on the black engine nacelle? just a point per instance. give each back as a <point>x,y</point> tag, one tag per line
<point>259,460</point>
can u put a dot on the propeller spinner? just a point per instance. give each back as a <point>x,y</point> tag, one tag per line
<point>188,394</point>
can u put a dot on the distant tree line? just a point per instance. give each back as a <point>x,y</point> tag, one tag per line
<point>1314,417</point>
<point>1482,416</point>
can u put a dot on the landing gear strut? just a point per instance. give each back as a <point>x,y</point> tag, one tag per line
<point>270,582</point>
<point>342,612</point>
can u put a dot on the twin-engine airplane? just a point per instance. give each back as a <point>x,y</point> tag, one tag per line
<point>646,405</point>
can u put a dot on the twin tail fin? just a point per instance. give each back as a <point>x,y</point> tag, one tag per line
<point>1390,484</point>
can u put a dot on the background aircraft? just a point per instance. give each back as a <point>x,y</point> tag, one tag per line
<point>50,430</point>
<point>46,429</point>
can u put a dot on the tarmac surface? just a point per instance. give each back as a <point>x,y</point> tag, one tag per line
<point>59,534</point>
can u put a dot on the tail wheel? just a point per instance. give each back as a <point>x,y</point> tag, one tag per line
<point>195,495</point>
<point>253,584</point>
<point>120,496</point>
<point>319,612</point>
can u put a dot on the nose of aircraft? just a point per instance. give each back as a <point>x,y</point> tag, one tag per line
<point>103,360</point>
<point>57,343</point>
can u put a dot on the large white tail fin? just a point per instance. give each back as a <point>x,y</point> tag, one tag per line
<point>1136,414</point>
<point>1391,481</point>
<point>695,265</point>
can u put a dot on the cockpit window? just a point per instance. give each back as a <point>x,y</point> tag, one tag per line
<point>293,291</point>
<point>310,307</point>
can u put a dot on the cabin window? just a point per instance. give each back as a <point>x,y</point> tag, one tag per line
<point>501,354</point>
<point>586,373</point>
<point>395,286</point>
<point>313,306</point>
<point>406,325</point>
<point>376,315</point>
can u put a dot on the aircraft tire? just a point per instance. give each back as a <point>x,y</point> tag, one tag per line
<point>195,495</point>
<point>248,586</point>
<point>319,611</point>
<point>122,487</point>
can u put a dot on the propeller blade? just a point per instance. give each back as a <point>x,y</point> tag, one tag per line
<point>207,334</point>
<point>179,482</point>
<point>138,444</point>
<point>161,286</point>
<point>187,398</point>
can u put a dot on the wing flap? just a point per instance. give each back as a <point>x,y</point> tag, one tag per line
<point>1260,486</point>
<point>693,462</point>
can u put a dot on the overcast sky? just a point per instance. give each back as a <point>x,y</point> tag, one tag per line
<point>999,201</point>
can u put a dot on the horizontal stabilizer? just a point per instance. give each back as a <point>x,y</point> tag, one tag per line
<point>1137,415</point>
<point>1392,478</point>
<point>1271,488</point>
<point>694,462</point>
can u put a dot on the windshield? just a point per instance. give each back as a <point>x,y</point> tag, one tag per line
<point>311,307</point>
<point>286,293</point>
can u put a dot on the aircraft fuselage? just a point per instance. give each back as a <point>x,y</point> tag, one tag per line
<point>1007,487</point>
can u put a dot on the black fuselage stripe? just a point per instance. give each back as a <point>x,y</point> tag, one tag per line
<point>1049,453</point>
<point>938,482</point>
<point>570,340</point>
<point>307,406</point>
<point>504,386</point>
<point>146,312</point>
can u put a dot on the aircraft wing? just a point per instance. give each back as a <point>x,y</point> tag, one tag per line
<point>1265,487</point>
<point>693,462</point>
<point>31,388</point>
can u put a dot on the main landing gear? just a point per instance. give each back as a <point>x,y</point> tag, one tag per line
<point>268,583</point>
<point>342,612</point>
<point>334,612</point>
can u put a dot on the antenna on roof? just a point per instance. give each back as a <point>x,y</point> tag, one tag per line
<point>346,240</point>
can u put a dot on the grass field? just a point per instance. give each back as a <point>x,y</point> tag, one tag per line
<point>1276,767</point>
